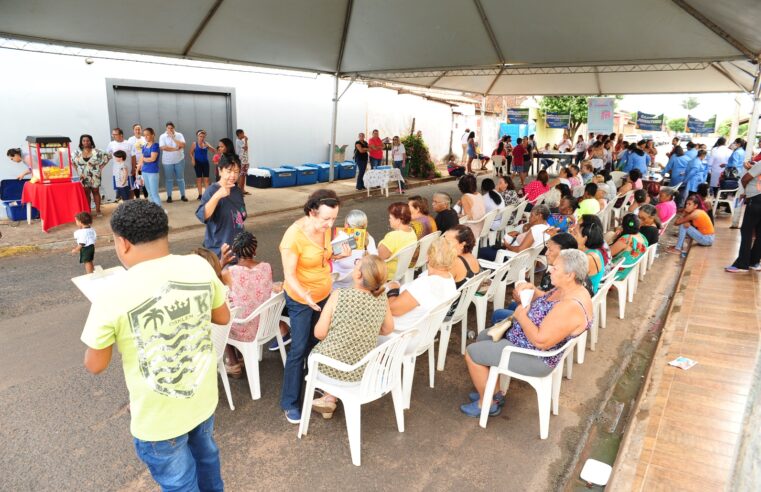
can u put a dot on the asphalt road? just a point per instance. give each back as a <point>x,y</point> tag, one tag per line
<point>64,429</point>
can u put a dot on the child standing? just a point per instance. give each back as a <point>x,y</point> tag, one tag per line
<point>85,237</point>
<point>121,176</point>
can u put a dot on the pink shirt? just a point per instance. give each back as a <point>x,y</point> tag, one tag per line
<point>666,210</point>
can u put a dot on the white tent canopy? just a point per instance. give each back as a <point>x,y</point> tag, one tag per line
<point>493,47</point>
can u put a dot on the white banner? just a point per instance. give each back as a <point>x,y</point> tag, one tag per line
<point>600,115</point>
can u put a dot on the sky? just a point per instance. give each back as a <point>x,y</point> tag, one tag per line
<point>721,104</point>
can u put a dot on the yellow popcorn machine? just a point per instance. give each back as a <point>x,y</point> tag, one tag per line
<point>50,158</point>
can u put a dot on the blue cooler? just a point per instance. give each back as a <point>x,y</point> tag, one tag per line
<point>382,168</point>
<point>323,171</point>
<point>305,175</point>
<point>282,177</point>
<point>10,194</point>
<point>346,170</point>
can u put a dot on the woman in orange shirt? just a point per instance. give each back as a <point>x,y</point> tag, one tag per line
<point>306,254</point>
<point>694,223</point>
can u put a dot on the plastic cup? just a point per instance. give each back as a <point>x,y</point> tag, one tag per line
<point>526,296</point>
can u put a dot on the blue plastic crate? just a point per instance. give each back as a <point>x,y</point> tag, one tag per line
<point>282,177</point>
<point>323,171</point>
<point>346,170</point>
<point>10,194</point>
<point>305,175</point>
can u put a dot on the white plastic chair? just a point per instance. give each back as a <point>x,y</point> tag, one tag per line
<point>577,191</point>
<point>619,212</point>
<point>486,221</point>
<point>269,327</point>
<point>617,177</point>
<point>645,265</point>
<point>403,259</point>
<point>605,284</point>
<point>498,161</point>
<point>504,220</point>
<point>422,342</point>
<point>382,375</point>
<point>424,244</point>
<point>726,197</point>
<point>466,292</point>
<point>626,287</point>
<point>605,214</point>
<point>547,387</point>
<point>598,305</point>
<point>505,274</point>
<point>520,212</point>
<point>219,336</point>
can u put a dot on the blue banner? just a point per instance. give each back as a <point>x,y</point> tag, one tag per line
<point>517,116</point>
<point>649,122</point>
<point>695,125</point>
<point>557,120</point>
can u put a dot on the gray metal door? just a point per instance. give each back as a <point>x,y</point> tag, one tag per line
<point>190,111</point>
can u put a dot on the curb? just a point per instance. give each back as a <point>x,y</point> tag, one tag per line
<point>107,239</point>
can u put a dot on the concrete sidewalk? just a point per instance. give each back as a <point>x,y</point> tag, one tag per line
<point>20,237</point>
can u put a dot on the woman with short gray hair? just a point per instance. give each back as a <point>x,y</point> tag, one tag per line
<point>552,319</point>
<point>355,219</point>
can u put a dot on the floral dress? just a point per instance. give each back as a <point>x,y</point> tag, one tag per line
<point>90,169</point>
<point>636,246</point>
<point>251,287</point>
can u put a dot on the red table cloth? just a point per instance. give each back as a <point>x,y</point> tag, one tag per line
<point>58,203</point>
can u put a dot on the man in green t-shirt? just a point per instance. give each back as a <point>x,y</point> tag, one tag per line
<point>159,313</point>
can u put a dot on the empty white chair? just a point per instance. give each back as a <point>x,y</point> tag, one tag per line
<point>626,286</point>
<point>504,219</point>
<point>726,197</point>
<point>605,284</point>
<point>460,315</point>
<point>219,336</point>
<point>617,177</point>
<point>424,244</point>
<point>520,213</point>
<point>403,259</point>
<point>498,161</point>
<point>645,265</point>
<point>382,375</point>
<point>486,222</point>
<point>598,305</point>
<point>422,342</point>
<point>547,387</point>
<point>269,327</point>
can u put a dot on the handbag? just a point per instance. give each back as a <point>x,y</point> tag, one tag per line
<point>497,332</point>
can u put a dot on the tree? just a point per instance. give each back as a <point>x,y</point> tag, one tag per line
<point>677,124</point>
<point>690,103</point>
<point>575,105</point>
<point>726,126</point>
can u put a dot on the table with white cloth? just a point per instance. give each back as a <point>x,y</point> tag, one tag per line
<point>380,178</point>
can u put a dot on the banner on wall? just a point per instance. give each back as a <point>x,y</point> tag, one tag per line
<point>649,122</point>
<point>557,120</point>
<point>517,116</point>
<point>600,111</point>
<point>695,125</point>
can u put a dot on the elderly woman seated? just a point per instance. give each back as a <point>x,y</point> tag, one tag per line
<point>414,300</point>
<point>552,319</point>
<point>355,219</point>
<point>525,237</point>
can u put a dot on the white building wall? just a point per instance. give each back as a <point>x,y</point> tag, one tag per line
<point>287,115</point>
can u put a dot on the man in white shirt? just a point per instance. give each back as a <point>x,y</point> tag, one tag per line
<point>565,145</point>
<point>464,142</point>
<point>172,145</point>
<point>137,142</point>
<point>118,143</point>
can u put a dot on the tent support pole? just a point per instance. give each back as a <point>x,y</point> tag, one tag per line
<point>201,27</point>
<point>334,124</point>
<point>753,123</point>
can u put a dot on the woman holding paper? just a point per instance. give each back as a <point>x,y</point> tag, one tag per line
<point>306,254</point>
<point>546,324</point>
<point>401,235</point>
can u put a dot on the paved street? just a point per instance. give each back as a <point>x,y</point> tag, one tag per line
<point>63,429</point>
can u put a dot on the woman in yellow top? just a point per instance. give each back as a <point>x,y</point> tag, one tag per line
<point>306,253</point>
<point>401,235</point>
<point>694,223</point>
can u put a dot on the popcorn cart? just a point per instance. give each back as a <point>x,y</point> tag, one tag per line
<point>50,158</point>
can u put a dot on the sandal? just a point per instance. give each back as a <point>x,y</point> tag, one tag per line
<point>234,370</point>
<point>324,405</point>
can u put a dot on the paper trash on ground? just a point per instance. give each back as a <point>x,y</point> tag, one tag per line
<point>682,362</point>
<point>93,284</point>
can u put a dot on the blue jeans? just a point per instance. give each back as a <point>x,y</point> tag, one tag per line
<point>375,162</point>
<point>152,186</point>
<point>185,463</point>
<point>361,168</point>
<point>303,318</point>
<point>175,172</point>
<point>688,230</point>
<point>500,314</point>
<point>402,170</point>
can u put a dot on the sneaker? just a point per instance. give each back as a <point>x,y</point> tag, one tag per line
<point>756,267</point>
<point>183,199</point>
<point>734,269</point>
<point>499,397</point>
<point>473,410</point>
<point>274,347</point>
<point>199,197</point>
<point>169,200</point>
<point>293,415</point>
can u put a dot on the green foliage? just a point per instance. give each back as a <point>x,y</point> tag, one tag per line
<point>677,124</point>
<point>575,105</point>
<point>419,158</point>
<point>690,103</point>
<point>726,126</point>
